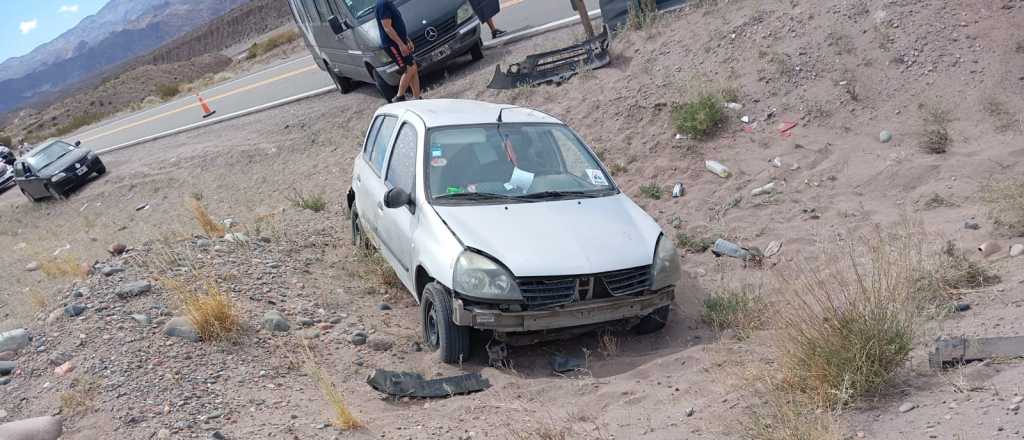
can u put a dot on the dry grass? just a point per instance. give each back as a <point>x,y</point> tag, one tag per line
<point>1005,203</point>
<point>936,130</point>
<point>341,417</point>
<point>210,227</point>
<point>313,202</point>
<point>736,308</point>
<point>62,266</point>
<point>608,344</point>
<point>81,398</point>
<point>377,270</point>
<point>847,324</point>
<point>37,300</point>
<point>951,274</point>
<point>209,308</point>
<point>783,417</point>
<point>642,14</point>
<point>700,118</point>
<point>261,48</point>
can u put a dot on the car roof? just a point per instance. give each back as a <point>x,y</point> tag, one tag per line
<point>444,112</point>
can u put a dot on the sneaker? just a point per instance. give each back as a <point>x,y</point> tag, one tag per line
<point>398,99</point>
<point>497,33</point>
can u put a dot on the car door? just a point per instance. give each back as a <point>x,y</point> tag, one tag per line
<point>30,182</point>
<point>368,177</point>
<point>398,224</point>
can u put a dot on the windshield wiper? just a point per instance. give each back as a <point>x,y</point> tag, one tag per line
<point>474,196</point>
<point>560,194</point>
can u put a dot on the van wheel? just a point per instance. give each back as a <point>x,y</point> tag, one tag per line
<point>439,331</point>
<point>477,51</point>
<point>387,91</point>
<point>653,322</point>
<point>343,84</point>
<point>56,195</point>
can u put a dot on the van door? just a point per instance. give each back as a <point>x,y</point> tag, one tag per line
<point>332,46</point>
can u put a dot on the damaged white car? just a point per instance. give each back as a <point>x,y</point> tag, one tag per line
<point>499,218</point>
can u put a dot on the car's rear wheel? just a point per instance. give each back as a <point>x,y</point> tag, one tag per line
<point>56,195</point>
<point>477,51</point>
<point>359,239</point>
<point>387,91</point>
<point>439,331</point>
<point>653,322</point>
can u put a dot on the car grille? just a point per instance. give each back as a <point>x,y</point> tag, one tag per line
<point>445,33</point>
<point>543,292</point>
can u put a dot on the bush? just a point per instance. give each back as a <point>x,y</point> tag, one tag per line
<point>1005,203</point>
<point>168,91</point>
<point>651,191</point>
<point>936,134</point>
<point>261,48</point>
<point>692,244</point>
<point>210,309</point>
<point>740,309</point>
<point>78,122</point>
<point>700,118</point>
<point>211,227</point>
<point>312,202</point>
<point>787,418</point>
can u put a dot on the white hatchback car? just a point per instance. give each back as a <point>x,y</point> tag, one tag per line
<point>500,218</point>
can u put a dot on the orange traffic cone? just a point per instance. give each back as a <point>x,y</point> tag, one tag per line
<point>207,112</point>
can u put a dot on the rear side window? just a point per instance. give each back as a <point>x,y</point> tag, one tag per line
<point>371,137</point>
<point>402,167</point>
<point>380,144</point>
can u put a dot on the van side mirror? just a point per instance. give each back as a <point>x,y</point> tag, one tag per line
<point>337,25</point>
<point>78,143</point>
<point>397,198</point>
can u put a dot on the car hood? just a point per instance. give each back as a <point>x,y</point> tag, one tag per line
<point>62,163</point>
<point>567,237</point>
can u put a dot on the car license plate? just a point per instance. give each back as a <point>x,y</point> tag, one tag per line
<point>441,52</point>
<point>82,170</point>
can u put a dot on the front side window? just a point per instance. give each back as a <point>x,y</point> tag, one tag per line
<point>360,8</point>
<point>48,155</point>
<point>402,166</point>
<point>380,144</point>
<point>512,162</point>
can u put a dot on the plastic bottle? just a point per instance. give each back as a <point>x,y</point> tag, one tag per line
<point>730,249</point>
<point>716,167</point>
<point>678,190</point>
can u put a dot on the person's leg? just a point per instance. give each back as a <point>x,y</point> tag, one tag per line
<point>490,24</point>
<point>495,32</point>
<point>414,72</point>
<point>403,84</point>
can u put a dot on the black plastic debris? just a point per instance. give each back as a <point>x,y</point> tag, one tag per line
<point>554,66</point>
<point>403,384</point>
<point>566,364</point>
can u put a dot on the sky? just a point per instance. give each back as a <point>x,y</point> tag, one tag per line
<point>25,24</point>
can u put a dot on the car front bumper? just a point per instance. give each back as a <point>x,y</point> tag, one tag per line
<point>467,36</point>
<point>73,181</point>
<point>571,315</point>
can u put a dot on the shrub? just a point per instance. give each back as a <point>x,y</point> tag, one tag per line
<point>1005,203</point>
<point>261,48</point>
<point>81,398</point>
<point>168,91</point>
<point>740,309</point>
<point>784,417</point>
<point>693,244</point>
<point>936,134</point>
<point>378,271</point>
<point>700,118</point>
<point>651,191</point>
<point>77,122</point>
<point>341,416</point>
<point>64,266</point>
<point>211,227</point>
<point>210,309</point>
<point>312,202</point>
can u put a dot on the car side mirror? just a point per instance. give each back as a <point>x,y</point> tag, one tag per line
<point>21,170</point>
<point>78,143</point>
<point>337,25</point>
<point>397,198</point>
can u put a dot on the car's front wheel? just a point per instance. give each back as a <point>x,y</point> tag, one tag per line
<point>343,84</point>
<point>653,322</point>
<point>101,170</point>
<point>439,330</point>
<point>477,51</point>
<point>56,195</point>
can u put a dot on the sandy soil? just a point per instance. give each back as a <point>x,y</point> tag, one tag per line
<point>842,71</point>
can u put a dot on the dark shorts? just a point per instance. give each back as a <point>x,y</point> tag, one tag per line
<point>403,61</point>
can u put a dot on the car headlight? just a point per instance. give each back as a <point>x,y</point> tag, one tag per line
<point>91,155</point>
<point>58,177</point>
<point>665,271</point>
<point>481,277</point>
<point>465,13</point>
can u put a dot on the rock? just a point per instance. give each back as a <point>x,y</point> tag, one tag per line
<point>274,321</point>
<point>39,428</point>
<point>306,322</point>
<point>309,333</point>
<point>181,327</point>
<point>216,435</point>
<point>690,412</point>
<point>203,243</point>
<point>78,293</point>
<point>73,310</point>
<point>133,289</point>
<point>907,407</point>
<point>14,340</point>
<point>383,306</point>
<point>767,189</point>
<point>380,344</point>
<point>357,339</point>
<point>142,319</point>
<point>64,369</point>
<point>1014,407</point>
<point>7,356</point>
<point>236,237</point>
<point>54,316</point>
<point>59,358</point>
<point>1016,250</point>
<point>7,367</point>
<point>885,136</point>
<point>85,268</point>
<point>971,225</point>
<point>32,267</point>
<point>117,249</point>
<point>109,271</point>
<point>4,380</point>
<point>163,434</point>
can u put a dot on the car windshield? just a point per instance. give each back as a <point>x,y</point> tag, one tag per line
<point>520,162</point>
<point>361,9</point>
<point>48,154</point>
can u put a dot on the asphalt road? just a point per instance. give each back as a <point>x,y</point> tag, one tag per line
<point>284,82</point>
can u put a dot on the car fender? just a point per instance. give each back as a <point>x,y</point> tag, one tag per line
<point>436,248</point>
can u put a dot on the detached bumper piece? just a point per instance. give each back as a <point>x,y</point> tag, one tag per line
<point>400,384</point>
<point>556,66</point>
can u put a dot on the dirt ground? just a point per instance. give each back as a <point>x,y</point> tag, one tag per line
<point>842,71</point>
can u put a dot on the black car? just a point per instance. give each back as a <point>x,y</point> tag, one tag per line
<point>54,169</point>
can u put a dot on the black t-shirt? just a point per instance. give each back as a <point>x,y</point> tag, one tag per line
<point>386,10</point>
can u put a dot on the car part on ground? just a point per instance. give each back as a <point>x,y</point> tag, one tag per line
<point>951,352</point>
<point>556,66</point>
<point>404,384</point>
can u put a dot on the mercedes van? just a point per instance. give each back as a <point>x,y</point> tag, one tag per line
<point>342,35</point>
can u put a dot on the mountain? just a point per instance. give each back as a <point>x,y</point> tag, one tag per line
<point>121,30</point>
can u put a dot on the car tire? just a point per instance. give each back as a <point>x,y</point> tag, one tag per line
<point>359,239</point>
<point>387,91</point>
<point>653,322</point>
<point>54,194</point>
<point>101,170</point>
<point>477,51</point>
<point>343,84</point>
<point>439,330</point>
<point>29,197</point>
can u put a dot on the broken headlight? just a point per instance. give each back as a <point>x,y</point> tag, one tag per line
<point>481,277</point>
<point>665,271</point>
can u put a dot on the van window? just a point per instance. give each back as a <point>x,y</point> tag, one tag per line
<point>380,144</point>
<point>311,11</point>
<point>402,166</point>
<point>323,10</point>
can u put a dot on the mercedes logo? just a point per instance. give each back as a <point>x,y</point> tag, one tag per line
<point>430,33</point>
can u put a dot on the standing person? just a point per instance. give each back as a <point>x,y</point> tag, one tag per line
<point>395,41</point>
<point>486,10</point>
